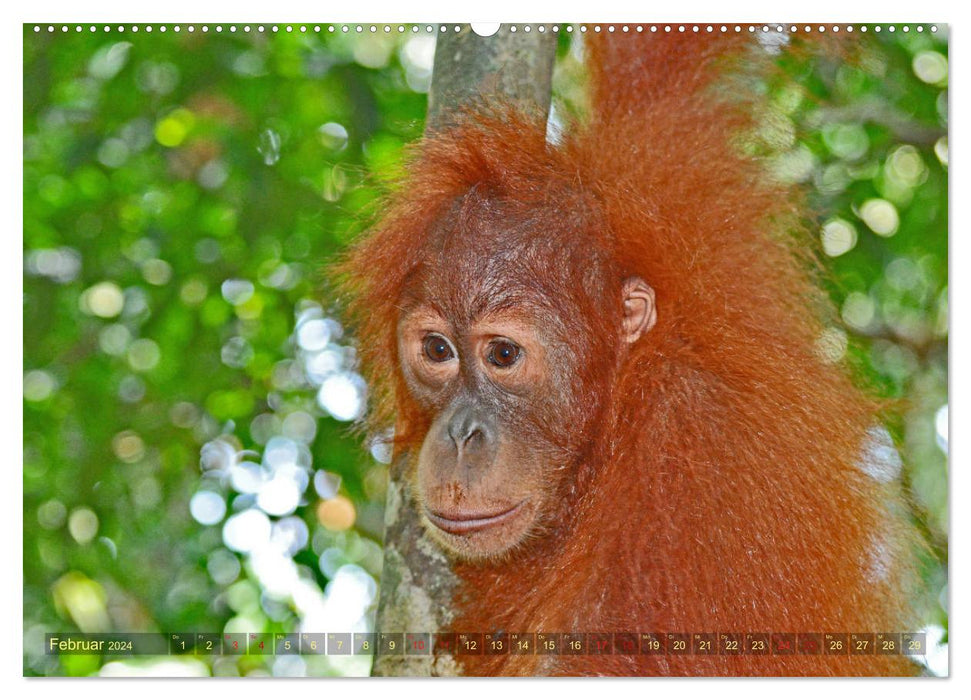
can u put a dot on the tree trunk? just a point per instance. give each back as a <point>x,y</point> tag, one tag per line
<point>417,582</point>
<point>505,67</point>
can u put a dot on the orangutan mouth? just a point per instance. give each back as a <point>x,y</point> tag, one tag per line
<point>464,522</point>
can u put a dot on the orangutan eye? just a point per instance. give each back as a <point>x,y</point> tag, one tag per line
<point>503,353</point>
<point>437,349</point>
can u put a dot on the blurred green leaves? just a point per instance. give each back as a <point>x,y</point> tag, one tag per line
<point>182,194</point>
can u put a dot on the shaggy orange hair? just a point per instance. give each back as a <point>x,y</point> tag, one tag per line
<point>724,491</point>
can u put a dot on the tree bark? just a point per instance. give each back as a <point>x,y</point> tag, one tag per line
<point>506,67</point>
<point>417,582</point>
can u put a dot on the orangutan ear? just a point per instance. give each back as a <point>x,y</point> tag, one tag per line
<point>640,314</point>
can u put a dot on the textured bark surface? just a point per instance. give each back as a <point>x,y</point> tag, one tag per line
<point>508,66</point>
<point>417,583</point>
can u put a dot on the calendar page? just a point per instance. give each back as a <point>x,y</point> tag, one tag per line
<point>513,349</point>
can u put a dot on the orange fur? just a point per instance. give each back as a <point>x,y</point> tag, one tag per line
<point>722,491</point>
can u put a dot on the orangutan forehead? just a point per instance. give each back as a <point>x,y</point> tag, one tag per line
<point>484,223</point>
<point>472,292</point>
<point>483,257</point>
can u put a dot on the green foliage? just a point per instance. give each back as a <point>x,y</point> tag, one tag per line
<point>156,168</point>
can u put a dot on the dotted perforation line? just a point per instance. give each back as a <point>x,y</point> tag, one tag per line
<point>512,28</point>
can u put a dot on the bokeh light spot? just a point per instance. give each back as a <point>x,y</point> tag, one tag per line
<point>846,141</point>
<point>336,513</point>
<point>193,292</point>
<point>417,56</point>
<point>144,354</point>
<point>82,600</point>
<point>269,146</point>
<point>223,566</point>
<point>237,291</point>
<point>131,389</point>
<point>113,153</point>
<point>172,130</point>
<point>108,61</point>
<point>39,385</point>
<point>237,352</point>
<point>941,427</point>
<point>333,136</point>
<point>128,446</point>
<point>313,334</point>
<point>906,166</point>
<point>207,507</point>
<point>290,535</point>
<point>859,311</point>
<point>881,216</point>
<point>51,514</point>
<point>61,265</point>
<point>831,345</point>
<point>930,67</point>
<point>278,496</point>
<point>247,477</point>
<point>838,236</point>
<point>300,426</point>
<point>326,484</point>
<point>247,531</point>
<point>940,150</point>
<point>156,272</point>
<point>114,339</point>
<point>104,299</point>
<point>881,460</point>
<point>342,396</point>
<point>83,525</point>
<point>217,454</point>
